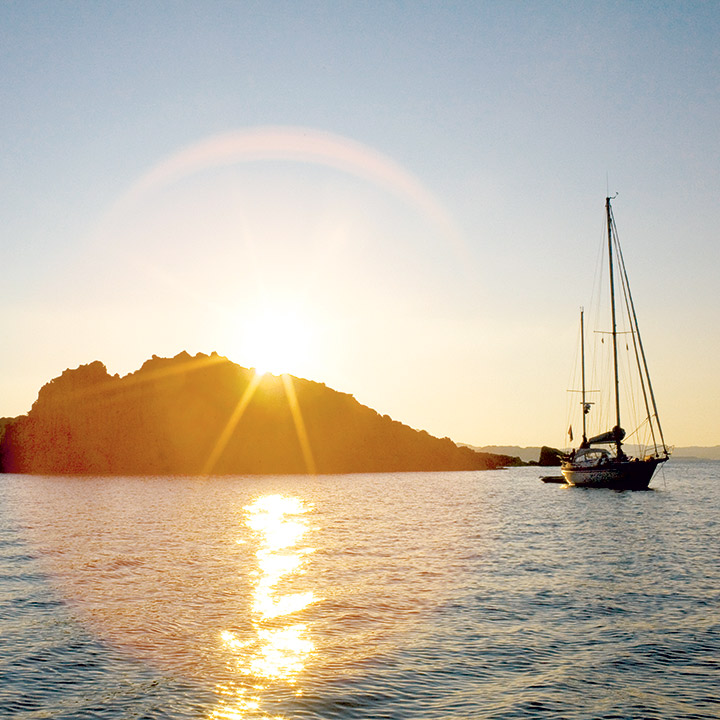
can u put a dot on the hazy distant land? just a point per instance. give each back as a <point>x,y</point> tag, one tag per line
<point>205,414</point>
<point>531,454</point>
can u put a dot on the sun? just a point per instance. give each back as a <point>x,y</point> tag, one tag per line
<point>277,339</point>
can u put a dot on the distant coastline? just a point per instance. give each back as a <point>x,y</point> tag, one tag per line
<point>532,454</point>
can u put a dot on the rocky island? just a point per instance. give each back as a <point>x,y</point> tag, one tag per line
<point>204,414</point>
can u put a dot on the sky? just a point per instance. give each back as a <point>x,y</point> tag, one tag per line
<point>403,200</point>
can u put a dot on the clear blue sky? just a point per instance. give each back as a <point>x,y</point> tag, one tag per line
<point>513,118</point>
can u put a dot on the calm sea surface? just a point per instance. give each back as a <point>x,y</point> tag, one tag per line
<point>428,595</point>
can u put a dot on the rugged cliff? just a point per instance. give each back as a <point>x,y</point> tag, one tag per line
<point>204,414</point>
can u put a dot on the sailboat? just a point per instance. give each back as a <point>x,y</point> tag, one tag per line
<point>601,461</point>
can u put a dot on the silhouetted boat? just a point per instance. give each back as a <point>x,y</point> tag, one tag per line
<point>601,467</point>
<point>559,479</point>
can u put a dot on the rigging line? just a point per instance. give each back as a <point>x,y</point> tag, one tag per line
<point>585,407</point>
<point>570,403</point>
<point>570,408</point>
<point>596,291</point>
<point>642,350</point>
<point>639,444</point>
<point>598,360</point>
<point>634,330</point>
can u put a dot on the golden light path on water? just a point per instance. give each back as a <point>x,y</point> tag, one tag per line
<point>280,646</point>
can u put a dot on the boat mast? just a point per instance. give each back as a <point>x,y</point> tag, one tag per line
<point>616,429</point>
<point>585,406</point>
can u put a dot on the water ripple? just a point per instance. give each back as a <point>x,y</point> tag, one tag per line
<point>458,595</point>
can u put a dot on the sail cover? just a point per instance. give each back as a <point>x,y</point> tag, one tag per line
<point>611,436</point>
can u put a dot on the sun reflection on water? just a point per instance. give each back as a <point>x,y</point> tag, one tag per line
<point>279,647</point>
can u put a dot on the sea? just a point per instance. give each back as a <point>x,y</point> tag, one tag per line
<point>410,595</point>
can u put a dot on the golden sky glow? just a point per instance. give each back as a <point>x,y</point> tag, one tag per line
<point>277,338</point>
<point>418,210</point>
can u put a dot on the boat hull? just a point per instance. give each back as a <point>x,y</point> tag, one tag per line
<point>616,475</point>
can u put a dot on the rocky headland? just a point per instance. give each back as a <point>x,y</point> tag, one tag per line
<point>204,414</point>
